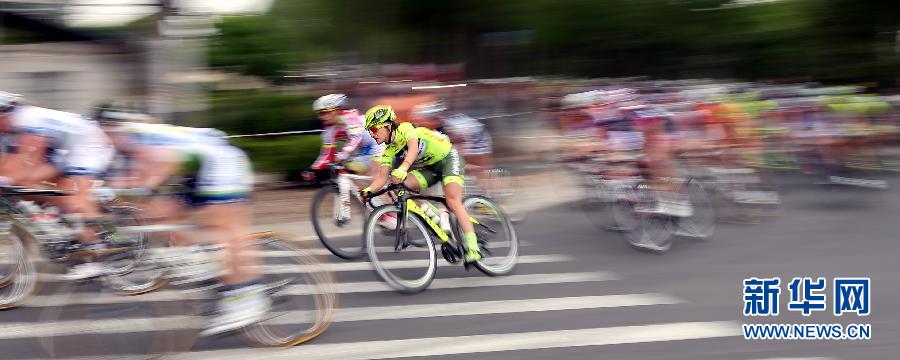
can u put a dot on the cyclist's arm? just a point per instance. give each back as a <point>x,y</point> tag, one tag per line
<point>327,153</point>
<point>354,139</point>
<point>30,149</point>
<point>154,165</point>
<point>380,177</point>
<point>412,152</point>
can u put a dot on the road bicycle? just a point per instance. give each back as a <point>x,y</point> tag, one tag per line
<point>302,290</point>
<point>653,231</point>
<point>31,236</point>
<point>406,257</point>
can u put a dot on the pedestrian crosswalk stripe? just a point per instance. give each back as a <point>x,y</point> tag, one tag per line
<point>472,344</point>
<point>344,287</point>
<point>130,325</point>
<point>361,266</point>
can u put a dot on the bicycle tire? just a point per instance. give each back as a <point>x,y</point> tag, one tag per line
<point>652,233</point>
<point>394,281</point>
<point>318,285</point>
<point>22,279</point>
<point>702,224</point>
<point>148,274</point>
<point>485,265</point>
<point>146,329</point>
<point>121,279</point>
<point>351,252</point>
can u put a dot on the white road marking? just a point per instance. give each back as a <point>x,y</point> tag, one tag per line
<point>348,287</point>
<point>131,325</point>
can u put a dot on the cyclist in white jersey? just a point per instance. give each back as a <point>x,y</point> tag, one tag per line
<point>471,135</point>
<point>58,147</point>
<point>219,181</point>
<point>343,124</point>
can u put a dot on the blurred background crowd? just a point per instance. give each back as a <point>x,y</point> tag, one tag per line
<point>255,66</point>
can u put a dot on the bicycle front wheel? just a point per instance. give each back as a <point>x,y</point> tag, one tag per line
<point>339,225</point>
<point>649,231</point>
<point>496,236</point>
<point>408,266</point>
<point>303,293</point>
<point>81,322</point>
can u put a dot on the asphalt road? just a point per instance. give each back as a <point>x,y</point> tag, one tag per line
<point>582,293</point>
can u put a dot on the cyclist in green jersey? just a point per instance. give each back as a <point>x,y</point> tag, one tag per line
<point>429,154</point>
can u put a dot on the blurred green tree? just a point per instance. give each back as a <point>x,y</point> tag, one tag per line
<point>832,40</point>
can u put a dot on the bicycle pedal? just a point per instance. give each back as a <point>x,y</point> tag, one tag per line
<point>482,245</point>
<point>451,253</point>
<point>468,265</point>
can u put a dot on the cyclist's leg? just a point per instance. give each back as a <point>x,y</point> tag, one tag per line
<point>479,160</point>
<point>228,225</point>
<point>452,177</point>
<point>80,202</point>
<point>226,181</point>
<point>82,167</point>
<point>422,179</point>
<point>661,166</point>
<point>83,164</point>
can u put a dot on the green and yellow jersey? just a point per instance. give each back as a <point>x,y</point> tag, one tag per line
<point>433,146</point>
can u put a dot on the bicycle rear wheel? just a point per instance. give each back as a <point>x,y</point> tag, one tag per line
<point>338,226</point>
<point>409,268</point>
<point>649,231</point>
<point>702,224</point>
<point>133,272</point>
<point>145,275</point>
<point>18,275</point>
<point>303,292</point>
<point>496,236</point>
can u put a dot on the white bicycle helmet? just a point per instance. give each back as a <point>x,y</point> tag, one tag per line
<point>330,102</point>
<point>8,101</point>
<point>580,100</point>
<point>429,110</point>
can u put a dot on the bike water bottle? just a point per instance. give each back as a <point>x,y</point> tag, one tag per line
<point>432,211</point>
<point>445,221</point>
<point>439,216</point>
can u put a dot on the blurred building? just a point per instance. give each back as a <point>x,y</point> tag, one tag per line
<point>59,67</point>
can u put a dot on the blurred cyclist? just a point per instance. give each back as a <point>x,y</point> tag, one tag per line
<point>218,181</point>
<point>465,132</point>
<point>659,144</point>
<point>343,124</point>
<point>62,148</point>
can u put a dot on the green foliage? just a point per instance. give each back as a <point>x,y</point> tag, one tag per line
<point>832,40</point>
<point>281,154</point>
<point>261,111</point>
<point>251,45</point>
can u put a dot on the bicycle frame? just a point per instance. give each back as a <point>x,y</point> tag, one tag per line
<point>407,203</point>
<point>346,188</point>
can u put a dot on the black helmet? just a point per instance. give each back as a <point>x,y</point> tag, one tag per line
<point>111,112</point>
